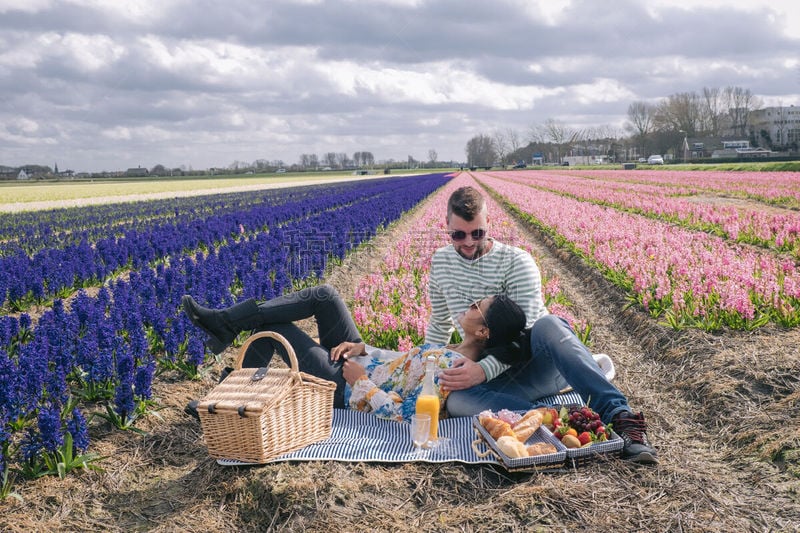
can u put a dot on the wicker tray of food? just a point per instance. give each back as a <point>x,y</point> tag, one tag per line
<point>518,441</point>
<point>583,434</point>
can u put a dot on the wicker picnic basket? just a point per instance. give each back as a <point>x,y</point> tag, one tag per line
<point>257,414</point>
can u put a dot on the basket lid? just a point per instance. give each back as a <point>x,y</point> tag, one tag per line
<point>241,393</point>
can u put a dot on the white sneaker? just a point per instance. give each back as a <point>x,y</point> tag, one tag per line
<point>606,365</point>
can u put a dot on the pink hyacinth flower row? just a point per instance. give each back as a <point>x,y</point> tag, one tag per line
<point>688,203</point>
<point>693,277</point>
<point>779,188</point>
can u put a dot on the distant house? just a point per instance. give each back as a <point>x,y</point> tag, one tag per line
<point>23,175</point>
<point>753,152</point>
<point>137,172</point>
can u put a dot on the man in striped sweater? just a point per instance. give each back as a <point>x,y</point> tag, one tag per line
<point>475,266</point>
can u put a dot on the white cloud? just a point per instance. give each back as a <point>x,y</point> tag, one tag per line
<point>551,12</point>
<point>429,84</point>
<point>23,126</point>
<point>135,11</point>
<point>785,14</point>
<point>601,90</point>
<point>26,6</point>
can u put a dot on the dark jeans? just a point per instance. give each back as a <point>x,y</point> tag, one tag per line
<point>334,326</point>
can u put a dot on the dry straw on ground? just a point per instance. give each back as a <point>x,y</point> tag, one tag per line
<point>721,407</point>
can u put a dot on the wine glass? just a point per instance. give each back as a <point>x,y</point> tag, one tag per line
<point>420,430</point>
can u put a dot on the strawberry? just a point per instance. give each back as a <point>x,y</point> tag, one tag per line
<point>585,438</point>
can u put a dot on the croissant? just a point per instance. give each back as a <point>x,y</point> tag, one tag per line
<point>512,447</point>
<point>496,427</point>
<point>540,448</point>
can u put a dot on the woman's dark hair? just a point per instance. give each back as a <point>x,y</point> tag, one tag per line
<point>508,339</point>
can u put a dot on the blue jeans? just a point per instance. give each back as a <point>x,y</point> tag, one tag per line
<point>558,359</point>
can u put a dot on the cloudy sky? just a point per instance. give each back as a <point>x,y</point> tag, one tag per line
<point>109,84</point>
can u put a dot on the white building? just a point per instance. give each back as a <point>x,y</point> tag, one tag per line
<point>781,124</point>
<point>22,175</point>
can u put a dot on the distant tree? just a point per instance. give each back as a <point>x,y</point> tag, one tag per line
<point>341,160</point>
<point>501,146</point>
<point>236,166</point>
<point>329,159</point>
<point>679,112</point>
<point>712,112</point>
<point>512,136</point>
<point>558,134</point>
<point>158,170</point>
<point>480,151</point>
<point>640,123</point>
<point>367,159</point>
<point>432,157</point>
<point>740,102</point>
<point>363,159</point>
<point>305,160</point>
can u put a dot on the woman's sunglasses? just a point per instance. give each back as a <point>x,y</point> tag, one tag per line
<point>477,305</point>
<point>459,235</point>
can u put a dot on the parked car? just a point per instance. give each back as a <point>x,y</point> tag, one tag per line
<point>642,160</point>
<point>281,171</point>
<point>655,160</point>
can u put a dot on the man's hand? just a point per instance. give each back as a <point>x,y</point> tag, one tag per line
<point>464,374</point>
<point>346,349</point>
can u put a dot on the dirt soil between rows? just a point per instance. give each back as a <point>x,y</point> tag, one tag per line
<point>722,411</point>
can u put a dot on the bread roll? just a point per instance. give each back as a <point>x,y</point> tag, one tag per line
<point>533,417</point>
<point>528,424</point>
<point>540,448</point>
<point>512,447</point>
<point>524,433</point>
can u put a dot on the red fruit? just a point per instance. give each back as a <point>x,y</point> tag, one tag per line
<point>585,438</point>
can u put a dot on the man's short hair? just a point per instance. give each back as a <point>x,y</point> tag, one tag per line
<point>465,202</point>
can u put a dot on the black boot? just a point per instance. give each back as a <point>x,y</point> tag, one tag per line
<point>222,326</point>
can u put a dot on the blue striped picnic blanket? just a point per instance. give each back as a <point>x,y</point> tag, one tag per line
<point>361,437</point>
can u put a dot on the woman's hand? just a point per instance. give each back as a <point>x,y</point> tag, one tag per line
<point>346,349</point>
<point>352,371</point>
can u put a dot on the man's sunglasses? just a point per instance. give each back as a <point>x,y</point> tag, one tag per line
<point>459,235</point>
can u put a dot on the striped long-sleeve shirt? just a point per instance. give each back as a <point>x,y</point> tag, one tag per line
<point>456,282</point>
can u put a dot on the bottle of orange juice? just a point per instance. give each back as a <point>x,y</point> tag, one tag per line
<point>428,401</point>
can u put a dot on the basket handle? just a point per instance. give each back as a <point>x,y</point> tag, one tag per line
<point>237,365</point>
<point>480,453</point>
